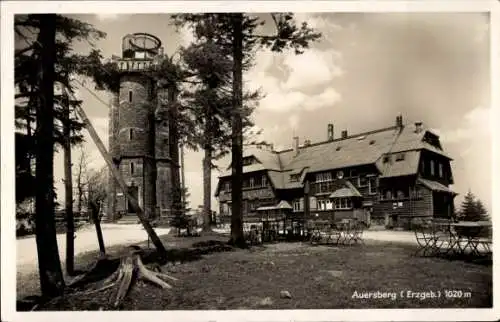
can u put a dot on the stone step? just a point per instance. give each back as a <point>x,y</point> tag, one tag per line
<point>128,220</point>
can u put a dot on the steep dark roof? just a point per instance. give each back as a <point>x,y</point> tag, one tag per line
<point>355,150</point>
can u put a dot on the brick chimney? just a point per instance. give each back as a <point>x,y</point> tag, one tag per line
<point>418,127</point>
<point>344,134</point>
<point>296,145</point>
<point>399,121</point>
<point>330,132</point>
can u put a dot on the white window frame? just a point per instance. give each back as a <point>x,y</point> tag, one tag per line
<point>343,203</point>
<point>296,205</point>
<point>264,181</point>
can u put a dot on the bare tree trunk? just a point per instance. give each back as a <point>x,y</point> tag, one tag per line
<point>207,188</point>
<point>237,237</point>
<point>150,169</point>
<point>174,154</point>
<point>68,186</point>
<point>49,263</point>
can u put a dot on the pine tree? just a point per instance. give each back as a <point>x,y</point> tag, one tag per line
<point>481,210</point>
<point>236,34</point>
<point>472,209</point>
<point>46,46</point>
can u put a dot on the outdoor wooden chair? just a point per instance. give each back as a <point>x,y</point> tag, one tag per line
<point>426,241</point>
<point>334,235</point>
<point>357,233</point>
<point>345,228</point>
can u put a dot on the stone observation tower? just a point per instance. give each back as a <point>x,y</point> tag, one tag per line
<point>133,125</point>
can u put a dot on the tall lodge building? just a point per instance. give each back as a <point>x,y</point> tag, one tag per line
<point>132,111</point>
<point>386,176</point>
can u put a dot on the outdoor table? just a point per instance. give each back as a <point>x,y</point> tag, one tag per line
<point>468,234</point>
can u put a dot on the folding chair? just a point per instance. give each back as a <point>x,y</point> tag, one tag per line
<point>358,233</point>
<point>425,240</point>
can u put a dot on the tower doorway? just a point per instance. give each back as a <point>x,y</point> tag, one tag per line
<point>134,192</point>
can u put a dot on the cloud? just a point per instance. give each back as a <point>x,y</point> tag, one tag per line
<point>312,68</point>
<point>475,123</point>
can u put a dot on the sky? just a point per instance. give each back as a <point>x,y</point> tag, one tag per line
<point>367,68</point>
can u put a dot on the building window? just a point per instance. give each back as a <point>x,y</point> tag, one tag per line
<point>433,170</point>
<point>343,203</point>
<point>422,166</point>
<point>372,183</point>
<point>401,194</point>
<point>440,170</point>
<point>296,205</point>
<point>294,177</point>
<point>130,134</point>
<point>132,166</point>
<point>251,182</point>
<point>324,204</point>
<point>362,181</point>
<point>388,195</point>
<point>323,177</point>
<point>228,186</point>
<point>386,159</point>
<point>264,181</point>
<point>130,96</point>
<point>400,157</point>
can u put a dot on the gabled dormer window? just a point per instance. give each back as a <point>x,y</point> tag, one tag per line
<point>294,177</point>
<point>400,157</point>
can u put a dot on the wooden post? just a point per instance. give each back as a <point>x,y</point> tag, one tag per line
<point>97,223</point>
<point>68,186</point>
<point>307,205</point>
<point>117,176</point>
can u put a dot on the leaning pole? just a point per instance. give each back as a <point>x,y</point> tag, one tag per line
<point>121,183</point>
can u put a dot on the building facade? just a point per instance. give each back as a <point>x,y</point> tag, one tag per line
<point>133,125</point>
<point>385,177</point>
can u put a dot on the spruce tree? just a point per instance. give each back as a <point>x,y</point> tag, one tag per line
<point>237,34</point>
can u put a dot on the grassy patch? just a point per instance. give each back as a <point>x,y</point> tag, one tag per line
<point>317,277</point>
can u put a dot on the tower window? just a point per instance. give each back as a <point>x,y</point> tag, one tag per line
<point>130,96</point>
<point>132,166</point>
<point>131,134</point>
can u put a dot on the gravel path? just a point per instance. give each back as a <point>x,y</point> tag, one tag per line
<point>86,240</point>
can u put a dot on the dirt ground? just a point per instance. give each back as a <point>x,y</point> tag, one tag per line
<point>316,277</point>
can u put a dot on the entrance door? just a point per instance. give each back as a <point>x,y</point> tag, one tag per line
<point>134,192</point>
